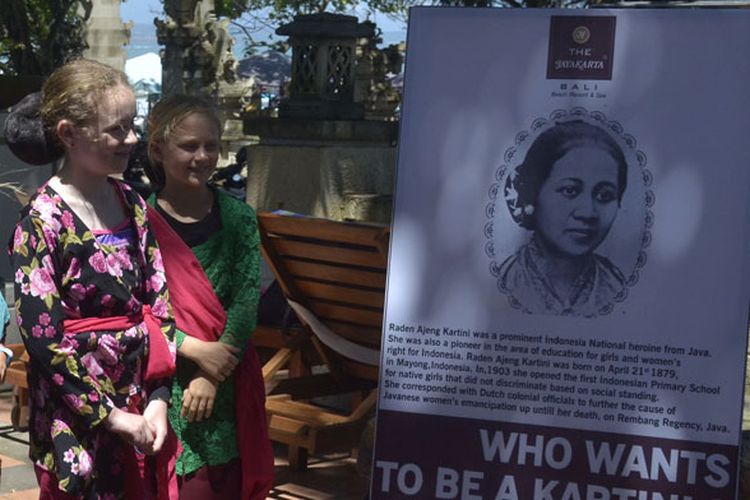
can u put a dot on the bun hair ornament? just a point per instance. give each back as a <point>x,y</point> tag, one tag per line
<point>521,211</point>
<point>24,132</point>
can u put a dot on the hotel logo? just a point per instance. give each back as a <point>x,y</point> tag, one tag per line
<point>581,47</point>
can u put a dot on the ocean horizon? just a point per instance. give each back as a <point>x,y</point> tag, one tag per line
<point>143,40</point>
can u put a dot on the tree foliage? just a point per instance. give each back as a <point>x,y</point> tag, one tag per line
<point>518,3</point>
<point>254,16</point>
<point>281,11</point>
<point>37,36</point>
<point>285,10</point>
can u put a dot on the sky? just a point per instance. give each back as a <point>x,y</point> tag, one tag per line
<point>144,11</point>
<point>141,11</point>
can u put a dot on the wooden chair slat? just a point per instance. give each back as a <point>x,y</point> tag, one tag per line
<point>313,386</point>
<point>15,375</point>
<point>319,229</point>
<point>284,425</point>
<point>268,336</point>
<point>307,413</point>
<point>355,369</point>
<point>365,335</point>
<point>333,273</point>
<point>345,294</point>
<point>349,314</point>
<point>331,254</point>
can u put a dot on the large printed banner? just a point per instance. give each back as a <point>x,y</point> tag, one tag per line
<point>567,303</point>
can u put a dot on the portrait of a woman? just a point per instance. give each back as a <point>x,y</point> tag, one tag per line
<point>567,192</point>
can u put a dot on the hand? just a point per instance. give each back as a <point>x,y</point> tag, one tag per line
<point>3,366</point>
<point>156,416</point>
<point>198,399</point>
<point>133,428</point>
<point>217,360</point>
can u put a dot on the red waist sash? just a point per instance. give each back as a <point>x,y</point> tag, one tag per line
<point>160,365</point>
<point>160,362</point>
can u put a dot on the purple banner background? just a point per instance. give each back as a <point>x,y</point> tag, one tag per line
<point>432,441</point>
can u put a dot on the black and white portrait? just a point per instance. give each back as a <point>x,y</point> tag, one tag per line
<point>566,190</point>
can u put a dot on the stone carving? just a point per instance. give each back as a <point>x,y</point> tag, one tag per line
<point>323,62</point>
<point>372,87</point>
<point>197,54</point>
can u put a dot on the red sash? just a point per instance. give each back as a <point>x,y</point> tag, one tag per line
<point>159,365</point>
<point>199,313</point>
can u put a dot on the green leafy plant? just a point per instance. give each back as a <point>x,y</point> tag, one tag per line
<point>37,36</point>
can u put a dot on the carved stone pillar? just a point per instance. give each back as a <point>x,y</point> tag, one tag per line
<point>197,52</point>
<point>371,87</point>
<point>106,34</point>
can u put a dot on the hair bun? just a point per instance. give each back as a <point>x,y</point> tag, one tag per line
<point>24,132</point>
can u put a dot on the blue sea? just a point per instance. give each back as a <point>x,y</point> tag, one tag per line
<point>143,40</point>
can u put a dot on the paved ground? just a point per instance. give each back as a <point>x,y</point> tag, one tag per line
<point>327,477</point>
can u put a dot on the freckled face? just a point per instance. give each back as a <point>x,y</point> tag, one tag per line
<point>577,204</point>
<point>105,145</point>
<point>190,154</point>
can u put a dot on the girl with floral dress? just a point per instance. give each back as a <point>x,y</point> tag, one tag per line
<point>92,302</point>
<point>212,257</point>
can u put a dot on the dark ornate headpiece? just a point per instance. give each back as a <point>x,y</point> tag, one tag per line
<point>24,132</point>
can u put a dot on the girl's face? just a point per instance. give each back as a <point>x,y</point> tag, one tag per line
<point>578,202</point>
<point>103,146</point>
<point>190,154</point>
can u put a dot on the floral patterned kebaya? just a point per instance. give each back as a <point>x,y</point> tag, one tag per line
<point>66,272</point>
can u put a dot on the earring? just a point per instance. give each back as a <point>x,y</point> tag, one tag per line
<point>528,210</point>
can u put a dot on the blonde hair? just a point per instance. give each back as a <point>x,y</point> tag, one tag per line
<point>71,93</point>
<point>164,118</point>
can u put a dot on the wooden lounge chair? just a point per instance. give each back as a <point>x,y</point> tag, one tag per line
<point>15,375</point>
<point>333,276</point>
